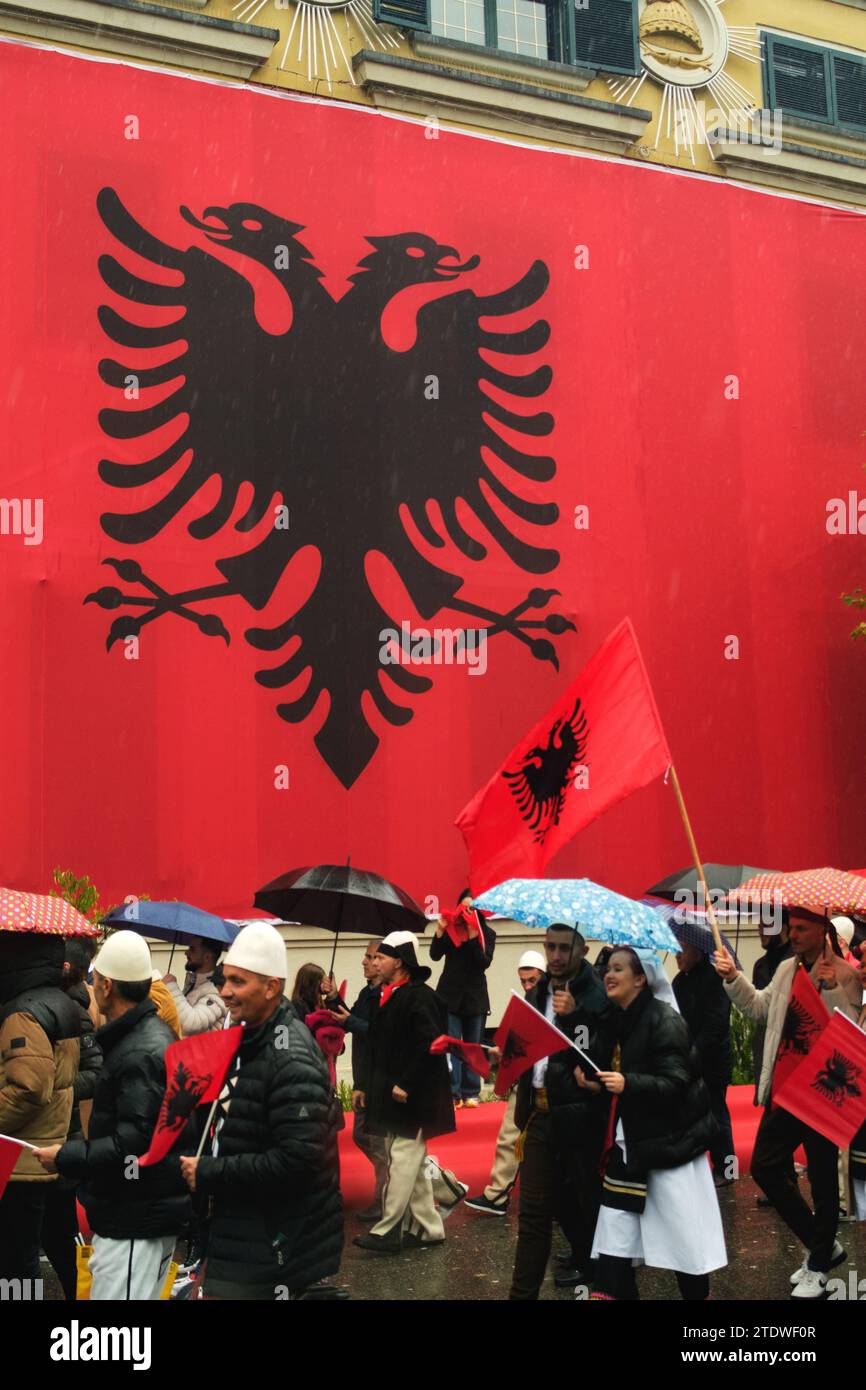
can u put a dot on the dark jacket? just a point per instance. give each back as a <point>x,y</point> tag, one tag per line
<point>358,1024</point>
<point>399,1055</point>
<point>763,971</point>
<point>590,1000</point>
<point>706,1008</point>
<point>124,1203</point>
<point>665,1106</point>
<point>277,1214</point>
<point>89,1067</point>
<point>90,1061</point>
<point>462,985</point>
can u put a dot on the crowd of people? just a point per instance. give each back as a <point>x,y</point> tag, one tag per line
<point>621,1144</point>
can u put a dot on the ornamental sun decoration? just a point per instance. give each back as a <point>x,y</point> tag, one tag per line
<point>314,36</point>
<point>686,47</point>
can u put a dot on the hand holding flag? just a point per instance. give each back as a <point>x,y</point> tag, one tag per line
<point>523,1038</point>
<point>196,1068</point>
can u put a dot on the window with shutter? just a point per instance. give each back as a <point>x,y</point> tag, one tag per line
<point>606,35</point>
<point>799,79</point>
<point>849,79</point>
<point>406,14</point>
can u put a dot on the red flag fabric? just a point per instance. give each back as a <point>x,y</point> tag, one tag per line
<point>523,1037</point>
<point>601,741</point>
<point>472,1054</point>
<point>827,1090</point>
<point>196,1068</point>
<point>10,1150</point>
<point>805,1020</point>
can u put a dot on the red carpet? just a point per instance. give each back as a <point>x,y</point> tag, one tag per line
<point>469,1151</point>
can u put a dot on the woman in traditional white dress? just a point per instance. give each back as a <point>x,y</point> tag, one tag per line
<point>659,1204</point>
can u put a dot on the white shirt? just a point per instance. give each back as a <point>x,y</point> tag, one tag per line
<point>539,1071</point>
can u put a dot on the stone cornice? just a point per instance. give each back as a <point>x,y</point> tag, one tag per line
<point>821,173</point>
<point>491,102</point>
<point>129,28</point>
<point>497,63</point>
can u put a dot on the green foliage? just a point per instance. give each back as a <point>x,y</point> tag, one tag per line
<point>84,895</point>
<point>80,893</point>
<point>857,599</point>
<point>344,1094</point>
<point>742,1032</point>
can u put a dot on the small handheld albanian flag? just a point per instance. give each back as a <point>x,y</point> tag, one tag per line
<point>473,1054</point>
<point>523,1037</point>
<point>195,1068</point>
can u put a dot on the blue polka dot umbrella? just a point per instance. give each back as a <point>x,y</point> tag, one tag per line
<point>598,912</point>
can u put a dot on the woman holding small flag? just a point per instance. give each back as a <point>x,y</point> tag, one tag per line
<point>659,1204</point>
<point>796,1006</point>
<point>466,943</point>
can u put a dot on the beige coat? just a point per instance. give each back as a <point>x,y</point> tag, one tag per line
<point>35,1090</point>
<point>200,1008</point>
<point>769,1006</point>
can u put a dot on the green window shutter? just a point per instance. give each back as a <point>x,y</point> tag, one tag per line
<point>406,14</point>
<point>849,76</point>
<point>799,79</point>
<point>606,35</point>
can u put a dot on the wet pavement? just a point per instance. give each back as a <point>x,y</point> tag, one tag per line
<point>476,1260</point>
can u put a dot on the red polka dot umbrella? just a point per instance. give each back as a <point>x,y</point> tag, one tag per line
<point>33,912</point>
<point>821,890</point>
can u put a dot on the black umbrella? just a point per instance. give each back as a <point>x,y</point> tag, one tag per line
<point>341,899</point>
<point>721,878</point>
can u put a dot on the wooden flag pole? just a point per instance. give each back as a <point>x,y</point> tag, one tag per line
<point>696,858</point>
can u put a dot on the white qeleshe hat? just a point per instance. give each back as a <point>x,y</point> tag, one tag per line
<point>844,929</point>
<point>260,948</point>
<point>532,960</point>
<point>125,956</point>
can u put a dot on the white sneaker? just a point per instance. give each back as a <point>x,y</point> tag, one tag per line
<point>810,1285</point>
<point>836,1258</point>
<point>803,1269</point>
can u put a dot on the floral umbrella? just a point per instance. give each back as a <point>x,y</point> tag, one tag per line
<point>821,890</point>
<point>33,912</point>
<point>600,913</point>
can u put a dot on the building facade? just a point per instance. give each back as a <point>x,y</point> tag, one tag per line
<point>771,92</point>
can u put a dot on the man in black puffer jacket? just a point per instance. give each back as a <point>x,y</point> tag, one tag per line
<point>272,1182</point>
<point>136,1213</point>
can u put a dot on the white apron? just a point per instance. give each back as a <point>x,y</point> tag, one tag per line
<point>680,1227</point>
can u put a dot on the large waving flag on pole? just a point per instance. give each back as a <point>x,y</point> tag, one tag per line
<point>601,741</point>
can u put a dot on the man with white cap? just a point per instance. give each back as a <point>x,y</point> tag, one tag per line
<point>408,1097</point>
<point>272,1180</point>
<point>493,1201</point>
<point>136,1214</point>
